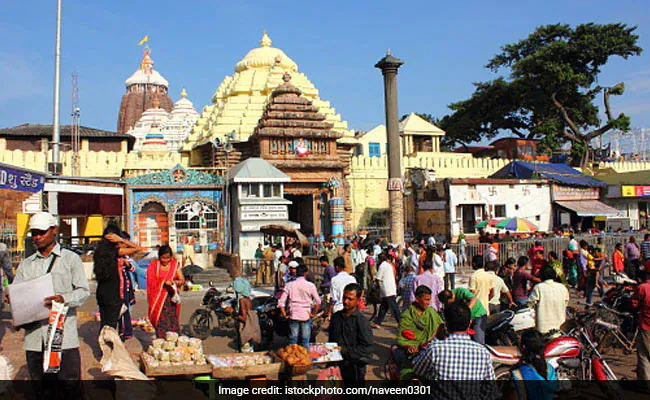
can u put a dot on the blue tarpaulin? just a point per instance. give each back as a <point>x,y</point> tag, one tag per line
<point>560,173</point>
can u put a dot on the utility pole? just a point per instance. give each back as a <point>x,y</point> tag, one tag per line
<point>76,115</point>
<point>389,66</point>
<point>55,166</point>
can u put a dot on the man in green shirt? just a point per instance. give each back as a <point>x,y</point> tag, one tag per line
<point>418,325</point>
<point>477,311</point>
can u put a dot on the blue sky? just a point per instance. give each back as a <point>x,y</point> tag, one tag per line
<point>196,43</point>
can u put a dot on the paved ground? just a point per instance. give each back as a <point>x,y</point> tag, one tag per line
<point>220,342</point>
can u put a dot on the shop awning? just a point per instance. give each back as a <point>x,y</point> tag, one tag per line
<point>590,208</point>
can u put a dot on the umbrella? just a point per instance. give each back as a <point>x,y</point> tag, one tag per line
<point>191,269</point>
<point>483,224</point>
<point>517,225</point>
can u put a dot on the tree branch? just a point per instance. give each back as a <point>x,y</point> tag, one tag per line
<point>608,110</point>
<point>567,119</point>
<point>597,132</point>
<point>571,136</point>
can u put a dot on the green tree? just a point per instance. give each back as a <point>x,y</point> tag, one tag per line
<point>550,90</point>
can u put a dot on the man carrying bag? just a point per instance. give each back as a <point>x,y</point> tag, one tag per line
<point>70,288</point>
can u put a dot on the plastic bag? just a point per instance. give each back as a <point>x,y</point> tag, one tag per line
<point>116,360</point>
<point>54,347</point>
<point>176,298</point>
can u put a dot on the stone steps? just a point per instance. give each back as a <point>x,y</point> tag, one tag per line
<point>219,276</point>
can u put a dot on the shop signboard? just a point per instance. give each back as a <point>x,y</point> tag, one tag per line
<point>21,181</point>
<point>635,191</point>
<point>574,193</point>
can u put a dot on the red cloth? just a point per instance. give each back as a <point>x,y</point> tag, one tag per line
<point>642,296</point>
<point>617,260</point>
<point>157,292</point>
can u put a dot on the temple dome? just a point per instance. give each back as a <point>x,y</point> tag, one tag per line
<point>266,56</point>
<point>239,101</point>
<point>146,74</point>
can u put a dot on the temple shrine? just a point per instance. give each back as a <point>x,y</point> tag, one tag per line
<point>145,85</point>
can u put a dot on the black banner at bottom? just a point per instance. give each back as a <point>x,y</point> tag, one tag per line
<point>207,388</point>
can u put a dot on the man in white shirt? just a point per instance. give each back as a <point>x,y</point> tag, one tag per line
<point>450,269</point>
<point>277,255</point>
<point>439,263</point>
<point>500,288</point>
<point>377,248</point>
<point>431,241</point>
<point>550,300</point>
<point>295,252</point>
<point>413,258</point>
<point>339,282</point>
<point>387,291</point>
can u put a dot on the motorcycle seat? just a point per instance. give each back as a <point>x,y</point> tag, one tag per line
<point>498,318</point>
<point>505,351</point>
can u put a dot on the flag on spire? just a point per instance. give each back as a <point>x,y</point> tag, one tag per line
<point>144,40</point>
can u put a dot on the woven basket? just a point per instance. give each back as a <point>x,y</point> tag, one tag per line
<point>299,369</point>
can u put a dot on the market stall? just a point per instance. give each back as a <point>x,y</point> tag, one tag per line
<point>180,355</point>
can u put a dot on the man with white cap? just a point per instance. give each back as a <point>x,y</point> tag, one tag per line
<point>70,288</point>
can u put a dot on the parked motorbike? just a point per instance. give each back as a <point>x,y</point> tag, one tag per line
<point>272,323</point>
<point>504,328</point>
<point>574,357</point>
<point>217,312</point>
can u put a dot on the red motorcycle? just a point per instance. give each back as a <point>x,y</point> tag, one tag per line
<point>575,358</point>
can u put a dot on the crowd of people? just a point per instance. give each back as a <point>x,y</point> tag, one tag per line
<point>441,326</point>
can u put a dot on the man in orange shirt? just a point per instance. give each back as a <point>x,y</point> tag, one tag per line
<point>618,259</point>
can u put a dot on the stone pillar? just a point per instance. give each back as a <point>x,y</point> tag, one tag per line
<point>337,217</point>
<point>389,66</point>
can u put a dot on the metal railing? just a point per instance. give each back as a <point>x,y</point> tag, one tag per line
<point>519,248</point>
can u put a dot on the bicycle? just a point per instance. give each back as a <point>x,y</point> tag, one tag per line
<point>611,328</point>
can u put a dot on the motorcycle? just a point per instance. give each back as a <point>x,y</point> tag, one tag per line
<point>503,328</point>
<point>272,323</point>
<point>574,358</point>
<point>217,312</point>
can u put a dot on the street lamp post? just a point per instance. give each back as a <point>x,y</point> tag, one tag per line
<point>55,166</point>
<point>389,66</point>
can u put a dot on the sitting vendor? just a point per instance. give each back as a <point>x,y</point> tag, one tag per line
<point>418,325</point>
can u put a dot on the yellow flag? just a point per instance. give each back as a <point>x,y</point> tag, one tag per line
<point>144,40</point>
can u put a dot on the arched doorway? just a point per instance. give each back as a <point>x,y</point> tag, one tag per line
<point>152,225</point>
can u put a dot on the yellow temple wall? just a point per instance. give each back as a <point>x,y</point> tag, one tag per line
<point>95,164</point>
<point>369,175</point>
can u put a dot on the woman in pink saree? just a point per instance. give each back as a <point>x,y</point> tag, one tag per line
<point>162,275</point>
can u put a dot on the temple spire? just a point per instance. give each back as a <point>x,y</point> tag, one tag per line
<point>266,40</point>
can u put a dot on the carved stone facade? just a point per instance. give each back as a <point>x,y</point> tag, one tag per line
<point>294,137</point>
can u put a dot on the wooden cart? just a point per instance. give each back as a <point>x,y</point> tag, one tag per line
<point>175,370</point>
<point>269,371</point>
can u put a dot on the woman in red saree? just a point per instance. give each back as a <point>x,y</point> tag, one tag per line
<point>162,275</point>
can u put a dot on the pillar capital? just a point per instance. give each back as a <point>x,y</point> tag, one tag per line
<point>389,64</point>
